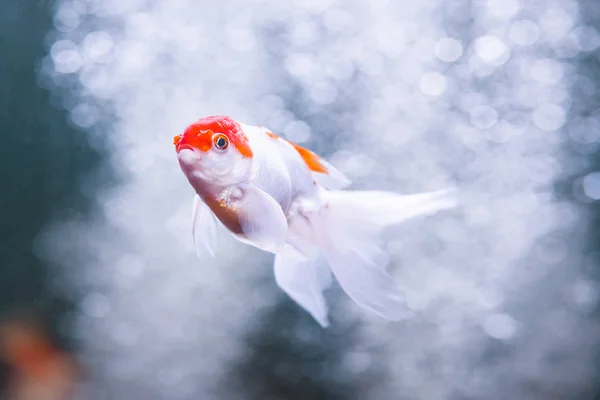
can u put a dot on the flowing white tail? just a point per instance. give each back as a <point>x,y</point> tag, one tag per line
<point>348,231</point>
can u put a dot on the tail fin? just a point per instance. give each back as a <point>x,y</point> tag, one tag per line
<point>348,232</point>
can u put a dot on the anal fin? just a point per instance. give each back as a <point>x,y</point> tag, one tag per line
<point>304,280</point>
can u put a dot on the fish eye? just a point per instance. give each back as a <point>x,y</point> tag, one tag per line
<point>221,142</point>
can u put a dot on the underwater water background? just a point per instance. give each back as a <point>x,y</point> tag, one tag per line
<point>497,96</point>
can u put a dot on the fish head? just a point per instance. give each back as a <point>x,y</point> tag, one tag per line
<point>215,150</point>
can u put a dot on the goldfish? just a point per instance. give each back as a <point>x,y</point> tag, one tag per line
<point>281,198</point>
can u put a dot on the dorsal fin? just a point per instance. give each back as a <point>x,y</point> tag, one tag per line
<point>313,161</point>
<point>323,172</point>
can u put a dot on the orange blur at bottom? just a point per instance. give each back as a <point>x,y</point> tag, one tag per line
<point>37,369</point>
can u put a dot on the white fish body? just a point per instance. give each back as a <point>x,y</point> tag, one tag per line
<point>281,198</point>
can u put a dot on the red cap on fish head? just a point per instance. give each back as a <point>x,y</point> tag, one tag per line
<point>199,135</point>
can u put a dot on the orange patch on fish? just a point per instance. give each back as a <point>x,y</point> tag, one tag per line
<point>227,215</point>
<point>271,135</point>
<point>200,134</point>
<point>312,160</point>
<point>196,137</point>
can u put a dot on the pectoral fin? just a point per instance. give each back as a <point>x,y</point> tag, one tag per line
<point>204,228</point>
<point>261,219</point>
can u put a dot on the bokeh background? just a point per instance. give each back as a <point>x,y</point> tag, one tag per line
<point>102,296</point>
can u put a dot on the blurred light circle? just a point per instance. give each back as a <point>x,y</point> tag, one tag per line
<point>591,185</point>
<point>585,130</point>
<point>552,251</point>
<point>67,61</point>
<point>432,84</point>
<point>503,9</point>
<point>448,49</point>
<point>66,18</point>
<point>66,58</point>
<point>483,117</point>
<point>297,131</point>
<point>491,50</point>
<point>95,305</point>
<point>549,117</point>
<point>546,71</point>
<point>96,45</point>
<point>304,33</point>
<point>241,39</point>
<point>85,115</point>
<point>588,38</point>
<point>299,64</point>
<point>524,32</point>
<point>323,93</point>
<point>500,326</point>
<point>555,23</point>
<point>585,292</point>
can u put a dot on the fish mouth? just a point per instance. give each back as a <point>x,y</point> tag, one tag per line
<point>187,155</point>
<point>181,144</point>
<point>184,146</point>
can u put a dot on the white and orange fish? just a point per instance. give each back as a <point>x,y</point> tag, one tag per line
<point>284,199</point>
